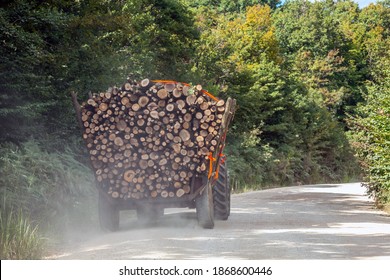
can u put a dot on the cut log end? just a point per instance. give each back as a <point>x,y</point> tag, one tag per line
<point>145,83</point>
<point>169,87</point>
<point>185,135</point>
<point>162,93</point>
<point>180,192</point>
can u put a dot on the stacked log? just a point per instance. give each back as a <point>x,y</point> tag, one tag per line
<point>149,139</point>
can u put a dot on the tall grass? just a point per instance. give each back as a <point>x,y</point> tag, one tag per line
<point>19,239</point>
<point>49,185</point>
<point>53,187</point>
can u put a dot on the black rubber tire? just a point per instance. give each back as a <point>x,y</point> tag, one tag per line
<point>149,214</point>
<point>108,214</point>
<point>221,194</point>
<point>205,208</point>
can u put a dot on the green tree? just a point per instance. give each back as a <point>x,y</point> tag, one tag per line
<point>50,48</point>
<point>241,56</point>
<point>370,136</point>
<point>26,38</point>
<point>372,38</point>
<point>311,36</point>
<point>280,96</point>
<point>162,38</point>
<point>226,6</point>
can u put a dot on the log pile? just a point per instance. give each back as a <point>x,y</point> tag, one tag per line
<point>148,139</point>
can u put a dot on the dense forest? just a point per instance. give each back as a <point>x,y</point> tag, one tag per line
<point>311,79</point>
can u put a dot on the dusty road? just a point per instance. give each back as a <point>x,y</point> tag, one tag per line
<point>306,222</point>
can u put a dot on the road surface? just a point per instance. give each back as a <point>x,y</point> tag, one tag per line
<point>293,223</point>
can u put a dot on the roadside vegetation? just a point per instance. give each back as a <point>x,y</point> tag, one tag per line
<point>370,136</point>
<point>311,81</point>
<point>19,237</point>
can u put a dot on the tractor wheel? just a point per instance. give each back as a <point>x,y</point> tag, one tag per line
<point>221,194</point>
<point>205,208</point>
<point>108,214</point>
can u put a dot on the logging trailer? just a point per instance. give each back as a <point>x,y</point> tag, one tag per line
<point>157,144</point>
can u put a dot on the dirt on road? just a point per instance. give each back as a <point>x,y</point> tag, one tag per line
<point>305,222</point>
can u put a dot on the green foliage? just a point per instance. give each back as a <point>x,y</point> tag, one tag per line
<point>161,38</point>
<point>308,25</point>
<point>23,83</point>
<point>229,48</point>
<point>370,136</point>
<point>50,49</point>
<point>19,238</point>
<point>283,96</point>
<point>227,6</point>
<point>249,161</point>
<point>316,41</point>
<point>372,36</point>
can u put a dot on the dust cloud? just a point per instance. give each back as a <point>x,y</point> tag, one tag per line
<point>91,237</point>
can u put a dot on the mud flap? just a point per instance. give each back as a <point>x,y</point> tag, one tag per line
<point>205,208</point>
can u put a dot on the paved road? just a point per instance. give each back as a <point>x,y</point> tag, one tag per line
<point>305,222</point>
